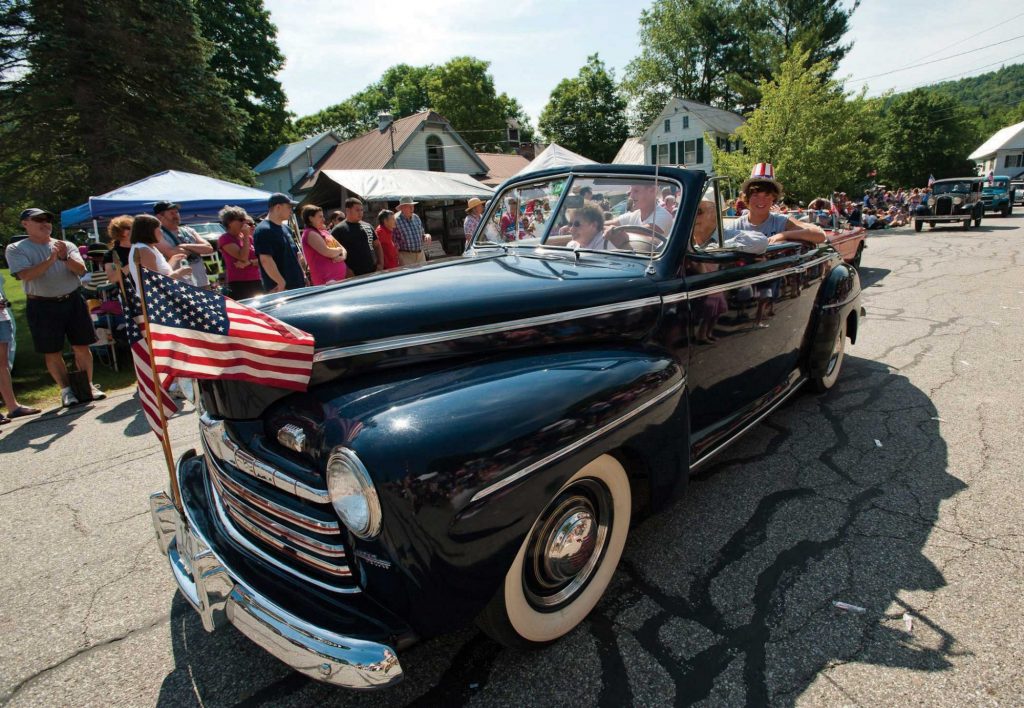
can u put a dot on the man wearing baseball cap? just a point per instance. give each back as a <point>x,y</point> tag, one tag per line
<point>409,233</point>
<point>50,272</point>
<point>762,190</point>
<point>280,266</point>
<point>176,239</point>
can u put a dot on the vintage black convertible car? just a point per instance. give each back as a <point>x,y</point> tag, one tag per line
<point>480,431</point>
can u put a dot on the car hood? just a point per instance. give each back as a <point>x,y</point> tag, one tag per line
<point>486,305</point>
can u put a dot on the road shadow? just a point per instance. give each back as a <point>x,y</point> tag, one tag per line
<point>41,431</point>
<point>723,598</point>
<point>871,276</point>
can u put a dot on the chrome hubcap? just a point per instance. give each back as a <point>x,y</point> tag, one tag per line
<point>567,545</point>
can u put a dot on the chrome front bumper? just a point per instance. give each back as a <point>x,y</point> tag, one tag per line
<point>218,596</point>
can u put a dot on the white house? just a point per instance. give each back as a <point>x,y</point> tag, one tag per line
<point>1003,153</point>
<point>676,137</point>
<point>282,169</point>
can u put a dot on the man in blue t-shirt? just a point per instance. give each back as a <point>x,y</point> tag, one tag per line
<point>280,263</point>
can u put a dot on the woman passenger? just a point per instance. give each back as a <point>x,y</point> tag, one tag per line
<point>587,229</point>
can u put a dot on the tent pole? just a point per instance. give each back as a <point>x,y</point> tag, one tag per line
<point>95,231</point>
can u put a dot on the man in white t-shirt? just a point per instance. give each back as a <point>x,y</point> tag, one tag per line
<point>648,212</point>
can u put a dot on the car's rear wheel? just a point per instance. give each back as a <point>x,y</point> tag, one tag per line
<point>967,224</point>
<point>917,225</point>
<point>977,222</point>
<point>856,258</point>
<point>567,560</point>
<point>835,362</point>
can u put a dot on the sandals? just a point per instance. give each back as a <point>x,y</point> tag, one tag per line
<point>4,420</point>
<point>20,412</point>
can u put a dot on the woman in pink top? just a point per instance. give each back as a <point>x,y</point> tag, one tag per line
<point>236,248</point>
<point>324,255</point>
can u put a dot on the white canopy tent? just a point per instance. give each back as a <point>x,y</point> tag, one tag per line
<point>392,185</point>
<point>554,155</point>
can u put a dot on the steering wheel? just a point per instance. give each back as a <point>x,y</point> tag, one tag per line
<point>638,238</point>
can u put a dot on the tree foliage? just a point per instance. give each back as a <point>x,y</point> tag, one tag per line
<point>925,133</point>
<point>461,90</point>
<point>586,114</point>
<point>718,51</point>
<point>89,110</point>
<point>816,137</point>
<point>246,57</point>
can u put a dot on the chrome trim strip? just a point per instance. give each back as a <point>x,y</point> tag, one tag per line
<point>401,342</point>
<point>255,550</point>
<point>217,441</point>
<point>255,517</point>
<point>331,569</point>
<point>271,507</point>
<point>694,294</point>
<point>572,447</point>
<point>725,443</point>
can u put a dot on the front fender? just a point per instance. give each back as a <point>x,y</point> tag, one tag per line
<point>465,459</point>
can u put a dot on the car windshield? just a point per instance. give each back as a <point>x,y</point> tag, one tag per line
<point>951,187</point>
<point>1000,185</point>
<point>629,215</point>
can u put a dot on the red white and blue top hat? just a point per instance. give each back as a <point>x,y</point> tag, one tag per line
<point>763,173</point>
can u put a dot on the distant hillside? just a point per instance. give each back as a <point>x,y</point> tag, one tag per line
<point>993,92</point>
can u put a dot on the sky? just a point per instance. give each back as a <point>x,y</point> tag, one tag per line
<point>334,48</point>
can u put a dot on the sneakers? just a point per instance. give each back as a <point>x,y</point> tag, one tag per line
<point>97,394</point>
<point>67,398</point>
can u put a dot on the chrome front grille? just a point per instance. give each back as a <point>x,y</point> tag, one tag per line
<point>286,522</point>
<point>943,206</point>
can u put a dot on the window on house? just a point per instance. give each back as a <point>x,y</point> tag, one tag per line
<point>663,154</point>
<point>1006,162</point>
<point>686,122</point>
<point>689,152</point>
<point>668,125</point>
<point>435,154</point>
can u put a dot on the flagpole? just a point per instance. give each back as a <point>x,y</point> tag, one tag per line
<point>158,399</point>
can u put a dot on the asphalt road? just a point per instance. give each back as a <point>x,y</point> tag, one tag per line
<point>900,492</point>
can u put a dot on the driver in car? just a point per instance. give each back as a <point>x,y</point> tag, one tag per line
<point>648,213</point>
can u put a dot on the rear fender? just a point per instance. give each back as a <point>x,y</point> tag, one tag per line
<point>838,301</point>
<point>465,459</point>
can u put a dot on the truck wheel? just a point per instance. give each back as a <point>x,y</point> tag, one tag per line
<point>917,225</point>
<point>977,222</point>
<point>835,362</point>
<point>967,224</point>
<point>1006,211</point>
<point>566,562</point>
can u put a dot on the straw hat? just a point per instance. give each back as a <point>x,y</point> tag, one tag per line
<point>473,203</point>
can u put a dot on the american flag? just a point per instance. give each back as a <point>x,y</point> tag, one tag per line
<point>931,180</point>
<point>143,367</point>
<point>203,335</point>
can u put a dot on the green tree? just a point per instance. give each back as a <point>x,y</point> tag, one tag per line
<point>586,114</point>
<point>719,51</point>
<point>463,92</point>
<point>924,133</point>
<point>86,113</point>
<point>814,135</point>
<point>246,56</point>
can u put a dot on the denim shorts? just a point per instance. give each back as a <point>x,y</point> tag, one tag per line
<point>6,332</point>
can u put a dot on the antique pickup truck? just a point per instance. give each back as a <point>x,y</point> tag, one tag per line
<point>479,432</point>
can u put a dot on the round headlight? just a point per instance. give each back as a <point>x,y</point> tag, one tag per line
<point>352,493</point>
<point>958,200</point>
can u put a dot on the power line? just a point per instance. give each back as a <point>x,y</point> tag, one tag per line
<point>962,73</point>
<point>934,61</point>
<point>989,29</point>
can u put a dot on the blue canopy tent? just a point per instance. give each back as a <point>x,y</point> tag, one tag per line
<point>200,198</point>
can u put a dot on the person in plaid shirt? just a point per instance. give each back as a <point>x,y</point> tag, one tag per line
<point>409,234</point>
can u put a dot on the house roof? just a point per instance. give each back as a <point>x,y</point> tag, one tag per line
<point>287,154</point>
<point>631,153</point>
<point>501,166</point>
<point>372,150</point>
<point>716,119</point>
<point>1009,137</point>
